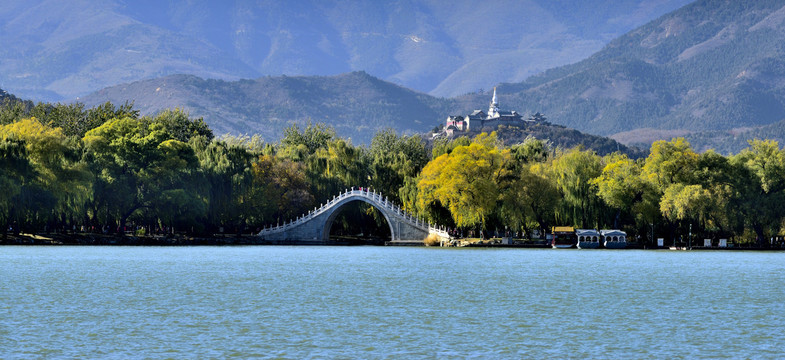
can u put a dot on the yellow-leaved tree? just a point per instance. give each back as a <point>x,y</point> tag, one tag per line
<point>61,183</point>
<point>465,181</point>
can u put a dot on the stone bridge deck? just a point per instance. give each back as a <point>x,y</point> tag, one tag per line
<point>314,227</point>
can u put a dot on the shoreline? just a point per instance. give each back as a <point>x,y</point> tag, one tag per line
<point>128,240</point>
<point>250,239</point>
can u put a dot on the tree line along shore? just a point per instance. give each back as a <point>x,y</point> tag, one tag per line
<point>109,171</point>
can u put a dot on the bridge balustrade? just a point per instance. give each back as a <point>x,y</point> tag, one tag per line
<point>380,200</point>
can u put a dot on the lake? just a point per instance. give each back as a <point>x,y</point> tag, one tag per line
<point>388,302</point>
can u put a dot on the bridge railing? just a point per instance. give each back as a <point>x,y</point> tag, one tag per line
<point>379,200</point>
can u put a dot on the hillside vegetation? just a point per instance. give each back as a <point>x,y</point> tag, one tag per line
<point>556,136</point>
<point>711,65</point>
<point>356,104</point>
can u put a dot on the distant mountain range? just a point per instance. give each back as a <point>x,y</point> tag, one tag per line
<point>367,89</point>
<point>713,65</point>
<point>356,104</point>
<point>713,71</point>
<point>56,50</point>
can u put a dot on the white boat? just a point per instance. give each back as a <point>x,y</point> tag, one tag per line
<point>614,239</point>
<point>588,238</point>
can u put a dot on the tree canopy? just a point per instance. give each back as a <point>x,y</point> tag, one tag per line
<point>108,168</point>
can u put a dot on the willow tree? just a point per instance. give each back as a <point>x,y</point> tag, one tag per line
<point>61,186</point>
<point>573,173</point>
<point>465,181</point>
<point>670,163</point>
<point>528,198</point>
<point>723,180</point>
<point>763,188</point>
<point>622,186</point>
<point>144,172</point>
<point>336,167</point>
<point>280,190</point>
<point>16,172</point>
<point>392,160</point>
<point>227,169</point>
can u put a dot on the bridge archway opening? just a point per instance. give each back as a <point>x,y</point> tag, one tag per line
<point>357,222</point>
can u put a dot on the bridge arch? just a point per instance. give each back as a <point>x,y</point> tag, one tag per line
<point>314,227</point>
<point>340,205</point>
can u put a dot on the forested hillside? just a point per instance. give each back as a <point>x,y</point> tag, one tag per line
<point>356,104</point>
<point>557,136</point>
<point>711,65</point>
<point>733,141</point>
<point>6,97</point>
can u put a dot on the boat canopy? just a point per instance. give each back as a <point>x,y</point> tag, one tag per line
<point>617,235</point>
<point>587,232</point>
<point>587,235</point>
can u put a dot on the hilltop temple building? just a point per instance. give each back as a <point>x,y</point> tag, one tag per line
<point>479,119</point>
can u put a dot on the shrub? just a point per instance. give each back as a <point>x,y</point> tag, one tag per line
<point>432,240</point>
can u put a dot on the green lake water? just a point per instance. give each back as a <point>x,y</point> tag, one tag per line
<point>388,303</point>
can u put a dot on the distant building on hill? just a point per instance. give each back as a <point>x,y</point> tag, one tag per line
<point>479,119</point>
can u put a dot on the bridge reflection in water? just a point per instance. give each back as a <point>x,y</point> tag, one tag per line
<point>314,227</point>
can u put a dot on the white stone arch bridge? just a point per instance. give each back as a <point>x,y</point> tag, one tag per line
<point>314,227</point>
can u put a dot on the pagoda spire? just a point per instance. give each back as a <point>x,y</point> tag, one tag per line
<point>493,110</point>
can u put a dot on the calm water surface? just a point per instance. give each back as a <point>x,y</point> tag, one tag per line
<point>382,302</point>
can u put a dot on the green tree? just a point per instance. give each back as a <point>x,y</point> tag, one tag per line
<point>573,173</point>
<point>531,150</point>
<point>393,159</point>
<point>280,190</point>
<point>446,146</point>
<point>298,144</point>
<point>13,110</point>
<point>530,200</point>
<point>62,183</point>
<point>337,167</point>
<point>180,126</point>
<point>140,168</point>
<point>622,186</point>
<point>15,173</point>
<point>682,201</point>
<point>670,162</point>
<point>722,180</point>
<point>763,187</point>
<point>227,169</point>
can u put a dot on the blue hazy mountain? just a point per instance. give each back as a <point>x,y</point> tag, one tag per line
<point>55,50</point>
<point>712,65</point>
<point>713,70</point>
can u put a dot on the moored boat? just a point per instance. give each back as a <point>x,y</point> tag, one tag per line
<point>588,238</point>
<point>563,237</point>
<point>614,239</point>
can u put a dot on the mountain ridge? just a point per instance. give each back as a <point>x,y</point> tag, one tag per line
<point>56,50</point>
<point>709,66</point>
<point>356,104</point>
